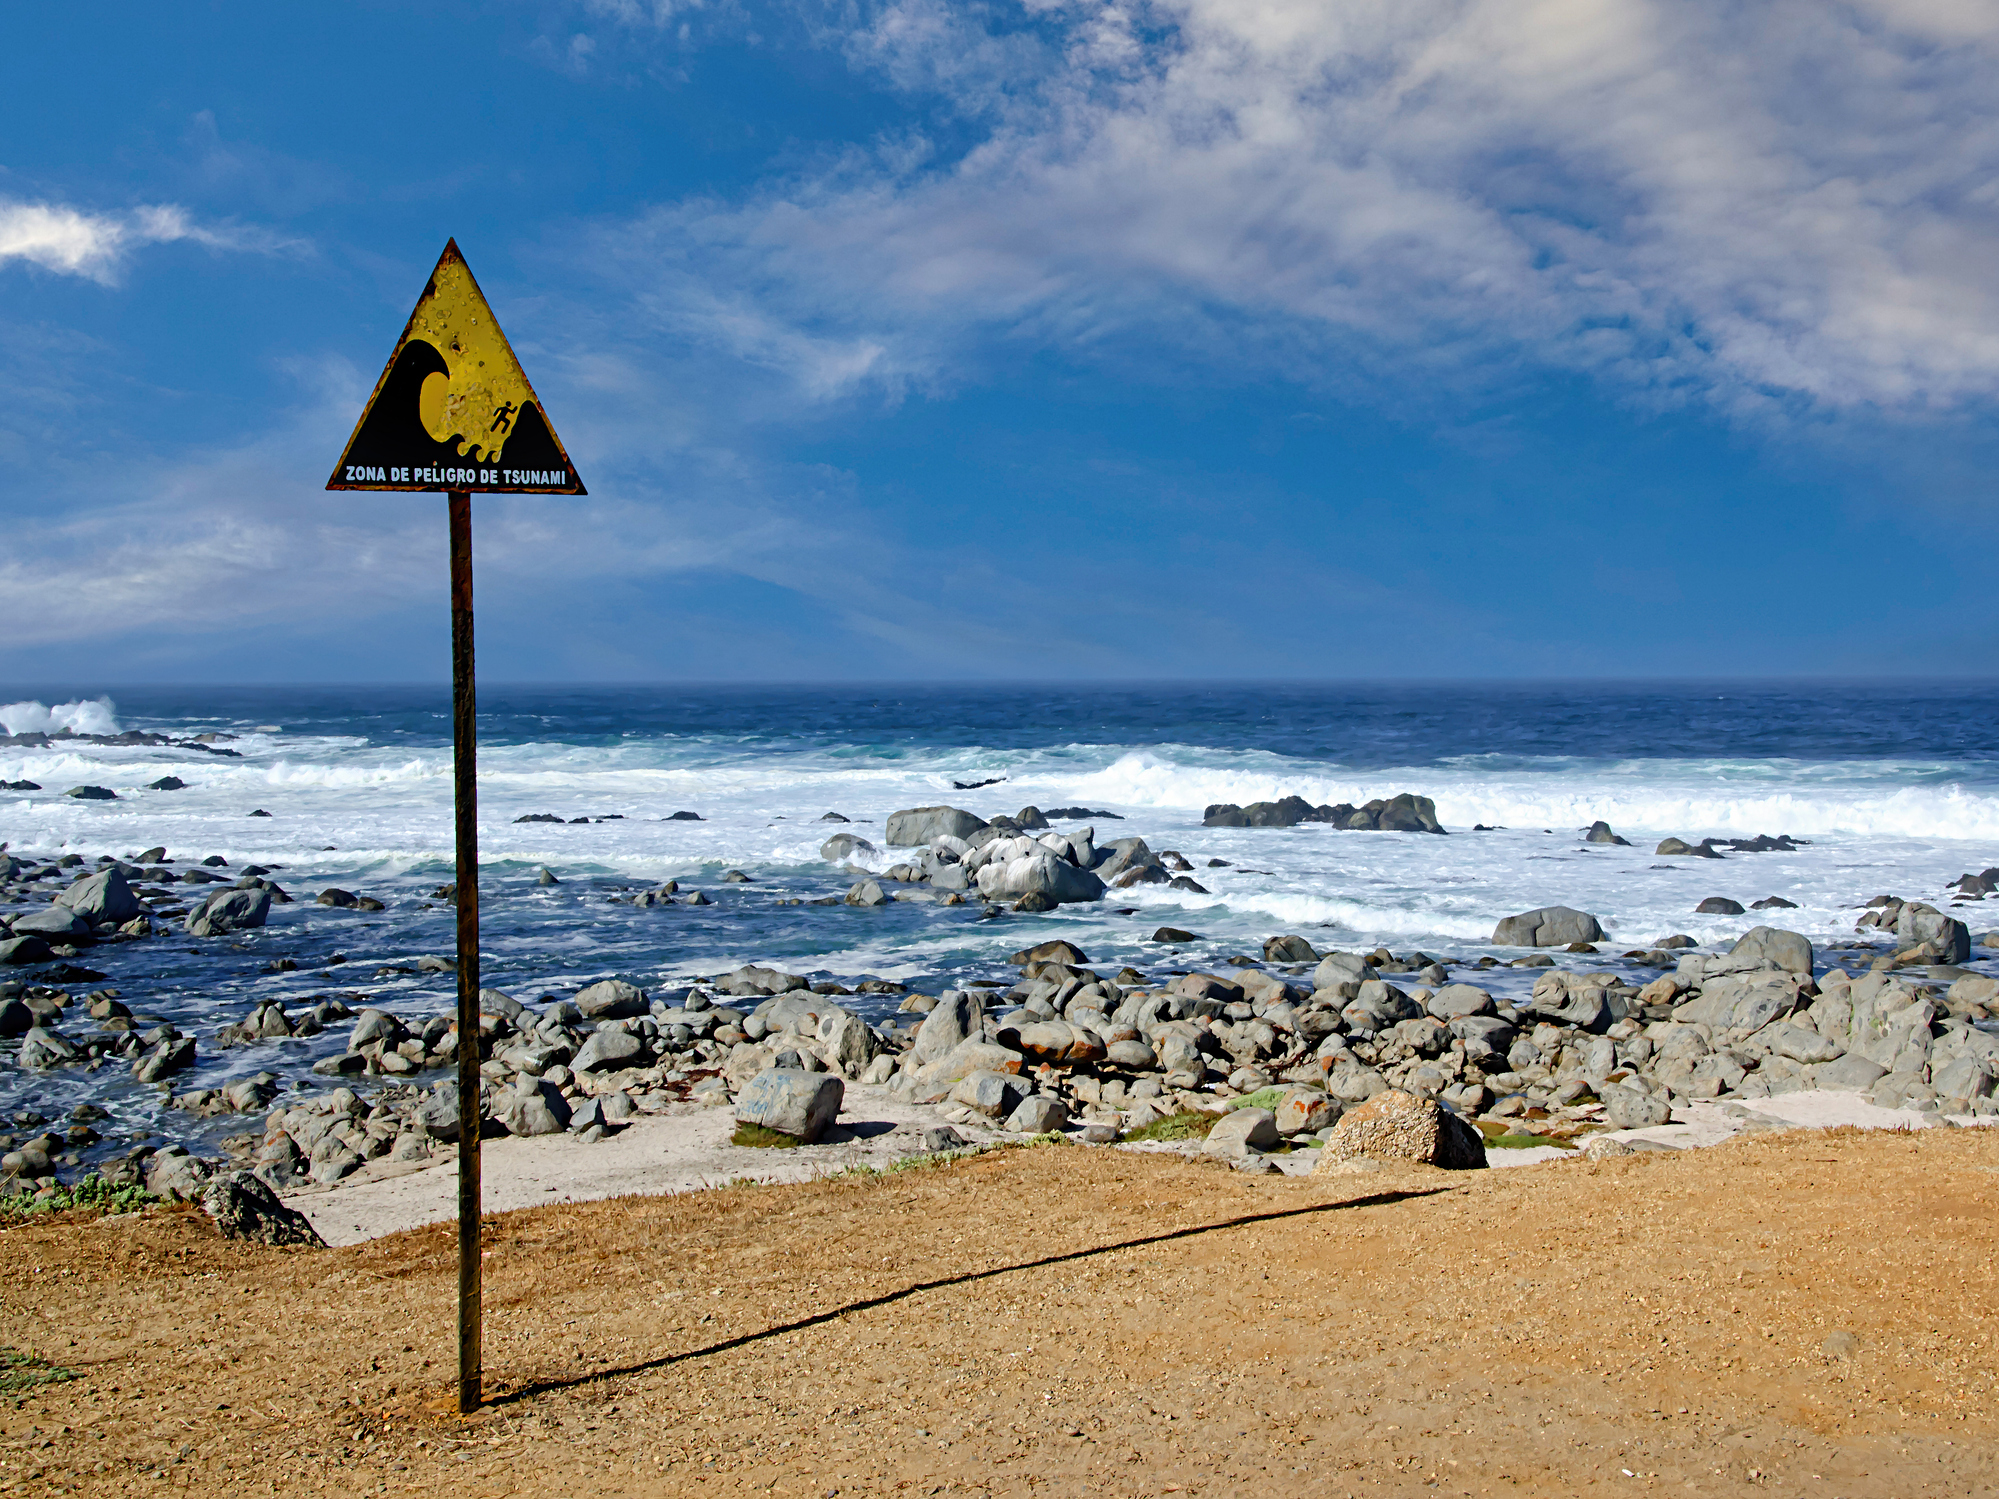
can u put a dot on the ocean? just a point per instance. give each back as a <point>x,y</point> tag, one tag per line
<point>1894,788</point>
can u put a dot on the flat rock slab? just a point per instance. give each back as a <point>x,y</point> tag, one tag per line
<point>683,1151</point>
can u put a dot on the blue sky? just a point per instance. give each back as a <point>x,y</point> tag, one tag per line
<point>905,339</point>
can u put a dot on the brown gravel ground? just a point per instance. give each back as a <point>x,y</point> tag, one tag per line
<point>1063,1320</point>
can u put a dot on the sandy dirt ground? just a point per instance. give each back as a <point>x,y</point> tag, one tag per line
<point>1802,1313</point>
<point>686,1150</point>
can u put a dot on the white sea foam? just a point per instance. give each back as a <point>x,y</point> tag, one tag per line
<point>87,716</point>
<point>1686,798</point>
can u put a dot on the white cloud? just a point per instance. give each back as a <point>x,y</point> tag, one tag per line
<point>73,242</point>
<point>1787,202</point>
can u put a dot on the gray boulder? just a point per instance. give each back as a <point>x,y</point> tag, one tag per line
<point>17,951</point>
<point>1337,968</point>
<point>1040,872</point>
<point>57,924</point>
<point>1039,1115</point>
<point>1851,1073</point>
<point>1947,939</point>
<point>375,1025</point>
<point>1799,1043</point>
<point>1289,949</point>
<point>848,1042</point>
<point>1550,926</point>
<point>244,1207</point>
<point>168,1057</point>
<point>1628,1108</point>
<point>229,911</point>
<point>1767,947</point>
<point>610,999</point>
<point>175,1175</point>
<point>538,1108</point>
<point>958,1015</point>
<point>437,1114</point>
<point>868,893</point>
<point>103,896</point>
<point>609,1049</point>
<point>920,825</point>
<point>1240,1131</point>
<point>1599,832</point>
<point>42,1048</point>
<point>791,1101</point>
<point>842,846</point>
<point>1453,1000</point>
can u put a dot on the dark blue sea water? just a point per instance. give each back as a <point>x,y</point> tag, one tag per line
<point>1895,787</point>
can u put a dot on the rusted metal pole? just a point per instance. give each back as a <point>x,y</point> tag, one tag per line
<point>465,788</point>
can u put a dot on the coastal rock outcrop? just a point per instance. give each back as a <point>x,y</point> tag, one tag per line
<point>1550,926</point>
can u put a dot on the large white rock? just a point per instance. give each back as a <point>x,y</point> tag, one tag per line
<point>791,1101</point>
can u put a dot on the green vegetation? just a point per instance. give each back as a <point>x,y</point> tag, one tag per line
<point>1525,1142</point>
<point>1262,1098</point>
<point>23,1371</point>
<point>757,1136</point>
<point>1188,1124</point>
<point>87,1194</point>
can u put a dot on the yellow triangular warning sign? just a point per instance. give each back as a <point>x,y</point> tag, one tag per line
<point>454,409</point>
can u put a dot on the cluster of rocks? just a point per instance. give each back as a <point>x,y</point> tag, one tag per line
<point>35,1012</point>
<point>210,744</point>
<point>121,900</point>
<point>1407,813</point>
<point>1020,859</point>
<point>1710,848</point>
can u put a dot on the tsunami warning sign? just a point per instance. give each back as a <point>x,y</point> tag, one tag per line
<point>454,410</point>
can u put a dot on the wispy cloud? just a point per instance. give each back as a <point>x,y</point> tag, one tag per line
<point>75,242</point>
<point>1788,203</point>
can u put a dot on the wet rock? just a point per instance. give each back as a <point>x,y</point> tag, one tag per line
<point>19,951</point>
<point>92,793</point>
<point>229,911</point>
<point>335,896</point>
<point>168,1057</point>
<point>1718,905</point>
<point>102,897</point>
<point>921,825</point>
<point>1678,847</point>
<point>55,924</point>
<point>1599,832</point>
<point>1550,926</point>
<point>843,846</point>
<point>1173,934</point>
<point>867,893</point>
<point>1289,949</point>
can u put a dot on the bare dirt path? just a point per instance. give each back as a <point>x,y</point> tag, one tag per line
<point>1810,1313</point>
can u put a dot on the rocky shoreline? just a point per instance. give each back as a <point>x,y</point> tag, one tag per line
<point>1292,1047</point>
